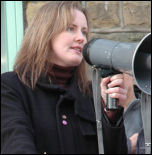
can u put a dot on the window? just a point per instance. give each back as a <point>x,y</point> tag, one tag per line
<point>12,32</point>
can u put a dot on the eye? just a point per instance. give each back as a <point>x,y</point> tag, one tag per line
<point>84,33</point>
<point>70,29</point>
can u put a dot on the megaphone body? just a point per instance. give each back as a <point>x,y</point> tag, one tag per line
<point>130,58</point>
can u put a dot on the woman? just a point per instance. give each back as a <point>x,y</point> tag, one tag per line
<point>47,105</point>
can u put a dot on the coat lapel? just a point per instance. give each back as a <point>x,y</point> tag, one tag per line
<point>83,104</point>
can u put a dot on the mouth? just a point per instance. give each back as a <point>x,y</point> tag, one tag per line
<point>77,49</point>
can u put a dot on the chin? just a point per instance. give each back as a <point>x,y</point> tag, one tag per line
<point>76,63</point>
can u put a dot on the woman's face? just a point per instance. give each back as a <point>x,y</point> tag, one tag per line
<point>67,46</point>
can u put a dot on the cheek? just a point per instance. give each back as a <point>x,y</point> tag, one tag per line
<point>65,42</point>
<point>85,41</point>
<point>59,42</point>
<point>57,46</point>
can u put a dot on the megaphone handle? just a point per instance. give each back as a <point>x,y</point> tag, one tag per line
<point>112,103</point>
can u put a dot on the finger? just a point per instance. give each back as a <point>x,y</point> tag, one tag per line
<point>116,90</point>
<point>104,82</point>
<point>117,76</point>
<point>117,82</point>
<point>103,86</point>
<point>118,96</point>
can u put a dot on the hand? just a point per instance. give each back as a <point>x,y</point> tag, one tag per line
<point>133,141</point>
<point>115,89</point>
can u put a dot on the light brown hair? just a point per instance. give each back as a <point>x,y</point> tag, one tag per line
<point>34,57</point>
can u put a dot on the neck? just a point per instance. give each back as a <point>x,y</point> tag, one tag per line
<point>61,75</point>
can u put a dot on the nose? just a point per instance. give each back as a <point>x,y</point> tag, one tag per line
<point>80,37</point>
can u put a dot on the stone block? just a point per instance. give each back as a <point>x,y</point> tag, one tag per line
<point>122,37</point>
<point>103,14</point>
<point>137,14</point>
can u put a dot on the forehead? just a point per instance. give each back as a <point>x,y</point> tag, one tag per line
<point>79,19</point>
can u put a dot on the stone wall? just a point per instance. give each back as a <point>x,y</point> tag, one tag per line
<point>120,20</point>
<point>125,21</point>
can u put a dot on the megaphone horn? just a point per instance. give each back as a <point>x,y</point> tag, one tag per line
<point>141,64</point>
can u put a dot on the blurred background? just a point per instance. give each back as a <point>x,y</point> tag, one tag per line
<point>125,21</point>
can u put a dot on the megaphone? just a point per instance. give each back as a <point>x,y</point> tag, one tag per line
<point>131,58</point>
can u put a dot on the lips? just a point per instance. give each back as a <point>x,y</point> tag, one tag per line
<point>77,48</point>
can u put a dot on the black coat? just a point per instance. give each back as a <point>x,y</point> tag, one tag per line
<point>32,120</point>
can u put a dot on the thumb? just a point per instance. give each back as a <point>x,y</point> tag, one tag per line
<point>104,82</point>
<point>103,86</point>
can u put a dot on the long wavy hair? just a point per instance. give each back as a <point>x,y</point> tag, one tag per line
<point>34,55</point>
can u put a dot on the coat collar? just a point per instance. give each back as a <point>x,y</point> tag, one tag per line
<point>83,104</point>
